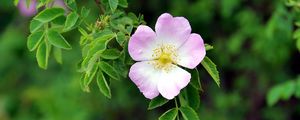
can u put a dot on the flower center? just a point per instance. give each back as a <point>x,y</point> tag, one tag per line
<point>165,58</point>
<point>165,55</point>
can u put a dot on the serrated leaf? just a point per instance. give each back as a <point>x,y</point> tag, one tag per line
<point>193,97</point>
<point>42,55</point>
<point>109,70</point>
<point>157,102</point>
<point>34,39</point>
<point>110,54</point>
<point>102,84</point>
<point>71,20</point>
<point>113,4</point>
<point>211,68</point>
<point>169,115</point>
<point>49,14</point>
<point>188,113</point>
<point>57,55</point>
<point>195,80</point>
<point>208,47</point>
<point>57,40</point>
<point>35,25</point>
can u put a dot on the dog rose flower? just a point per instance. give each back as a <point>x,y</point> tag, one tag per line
<point>162,53</point>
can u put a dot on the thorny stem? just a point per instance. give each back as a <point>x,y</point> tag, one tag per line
<point>176,107</point>
<point>98,2</point>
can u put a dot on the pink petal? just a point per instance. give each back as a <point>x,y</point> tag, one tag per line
<point>192,52</point>
<point>171,82</point>
<point>27,10</point>
<point>142,43</point>
<point>172,30</point>
<point>145,76</point>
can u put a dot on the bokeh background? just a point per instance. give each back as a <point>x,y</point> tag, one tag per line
<point>253,49</point>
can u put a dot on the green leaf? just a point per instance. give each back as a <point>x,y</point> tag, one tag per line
<point>274,95</point>
<point>188,113</point>
<point>34,40</point>
<point>193,97</point>
<point>49,14</point>
<point>57,40</point>
<point>282,91</point>
<point>103,86</point>
<point>35,25</point>
<point>57,55</point>
<point>42,55</point>
<point>195,81</point>
<point>296,34</point>
<point>71,21</point>
<point>88,78</point>
<point>109,70</point>
<point>123,3</point>
<point>157,102</point>
<point>58,22</point>
<point>208,47</point>
<point>121,38</point>
<point>169,115</point>
<point>71,4</point>
<point>84,12</point>
<point>211,68</point>
<point>289,89</point>
<point>110,54</point>
<point>96,48</point>
<point>113,4</point>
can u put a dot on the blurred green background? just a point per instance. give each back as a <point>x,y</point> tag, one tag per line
<point>253,49</point>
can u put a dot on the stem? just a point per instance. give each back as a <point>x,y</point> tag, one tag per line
<point>176,107</point>
<point>98,2</point>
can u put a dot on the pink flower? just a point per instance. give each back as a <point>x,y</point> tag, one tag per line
<point>162,53</point>
<point>27,10</point>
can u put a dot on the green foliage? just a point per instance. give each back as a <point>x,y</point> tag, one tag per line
<point>113,4</point>
<point>283,91</point>
<point>211,68</point>
<point>42,55</point>
<point>34,40</point>
<point>109,70</point>
<point>57,40</point>
<point>103,86</point>
<point>49,14</point>
<point>157,102</point>
<point>71,21</point>
<point>195,80</point>
<point>188,113</point>
<point>169,115</point>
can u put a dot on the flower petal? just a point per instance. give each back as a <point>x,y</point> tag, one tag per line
<point>142,43</point>
<point>171,82</point>
<point>192,52</point>
<point>145,76</point>
<point>172,30</point>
